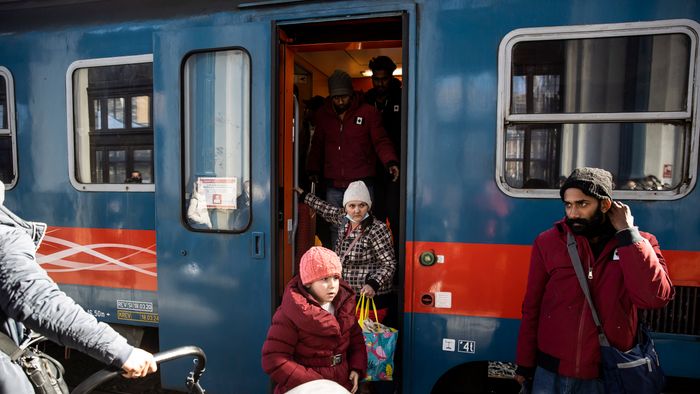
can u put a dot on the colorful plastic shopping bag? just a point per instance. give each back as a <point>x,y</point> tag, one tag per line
<point>380,341</point>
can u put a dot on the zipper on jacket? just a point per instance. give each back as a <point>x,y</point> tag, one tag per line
<point>341,134</point>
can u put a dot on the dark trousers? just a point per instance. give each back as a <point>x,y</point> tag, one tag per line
<point>386,206</point>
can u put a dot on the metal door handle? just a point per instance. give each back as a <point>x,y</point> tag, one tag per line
<point>257,247</point>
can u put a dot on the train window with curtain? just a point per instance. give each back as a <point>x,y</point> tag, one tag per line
<point>8,145</point>
<point>216,106</point>
<point>111,116</point>
<point>617,97</point>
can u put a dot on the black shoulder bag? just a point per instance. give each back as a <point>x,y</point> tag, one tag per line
<point>43,371</point>
<point>635,371</point>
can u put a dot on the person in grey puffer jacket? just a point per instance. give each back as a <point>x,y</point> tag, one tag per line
<point>30,299</point>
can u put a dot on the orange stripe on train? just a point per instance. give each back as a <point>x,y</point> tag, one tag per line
<point>116,258</point>
<point>489,280</point>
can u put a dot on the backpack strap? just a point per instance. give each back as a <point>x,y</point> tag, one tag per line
<point>9,347</point>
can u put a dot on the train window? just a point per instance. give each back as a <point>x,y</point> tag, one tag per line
<point>216,104</point>
<point>8,146</point>
<point>614,96</point>
<point>111,119</point>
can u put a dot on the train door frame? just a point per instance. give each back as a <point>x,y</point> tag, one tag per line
<point>285,48</point>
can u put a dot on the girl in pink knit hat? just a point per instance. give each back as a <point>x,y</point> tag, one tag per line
<point>314,334</point>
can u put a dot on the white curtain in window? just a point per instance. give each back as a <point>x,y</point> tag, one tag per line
<point>81,120</point>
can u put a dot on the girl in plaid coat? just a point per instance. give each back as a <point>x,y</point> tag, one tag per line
<point>364,244</point>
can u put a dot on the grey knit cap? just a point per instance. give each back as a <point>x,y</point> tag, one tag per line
<point>340,84</point>
<point>594,182</point>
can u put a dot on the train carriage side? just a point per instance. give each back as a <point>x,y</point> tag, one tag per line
<point>509,99</point>
<point>100,243</point>
<point>95,101</point>
<point>501,98</point>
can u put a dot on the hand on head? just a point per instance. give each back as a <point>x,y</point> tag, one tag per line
<point>620,216</point>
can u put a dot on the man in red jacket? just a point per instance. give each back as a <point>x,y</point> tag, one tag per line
<point>558,349</point>
<point>348,138</point>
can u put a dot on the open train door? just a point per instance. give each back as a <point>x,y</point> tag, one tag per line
<point>213,199</point>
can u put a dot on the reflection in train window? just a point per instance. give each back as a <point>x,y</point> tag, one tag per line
<point>619,102</point>
<point>217,140</point>
<point>8,153</point>
<point>113,131</point>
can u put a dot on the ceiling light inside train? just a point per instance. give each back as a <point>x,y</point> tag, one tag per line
<point>397,73</point>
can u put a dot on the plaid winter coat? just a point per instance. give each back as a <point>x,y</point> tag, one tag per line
<point>371,259</point>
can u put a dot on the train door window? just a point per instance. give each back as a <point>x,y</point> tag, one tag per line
<point>615,96</point>
<point>8,147</point>
<point>216,103</point>
<point>111,123</point>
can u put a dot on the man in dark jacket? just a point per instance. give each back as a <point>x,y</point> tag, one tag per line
<point>30,299</point>
<point>558,341</point>
<point>348,138</point>
<point>385,96</point>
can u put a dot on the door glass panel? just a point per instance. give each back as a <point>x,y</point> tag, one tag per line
<point>217,140</point>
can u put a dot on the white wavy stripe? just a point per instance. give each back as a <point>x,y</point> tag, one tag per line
<point>74,248</point>
<point>70,266</point>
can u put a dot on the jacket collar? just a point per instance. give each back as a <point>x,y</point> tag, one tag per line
<point>303,309</point>
<point>35,230</point>
<point>356,102</point>
<point>564,229</point>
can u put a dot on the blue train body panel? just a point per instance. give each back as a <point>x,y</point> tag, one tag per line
<point>218,289</point>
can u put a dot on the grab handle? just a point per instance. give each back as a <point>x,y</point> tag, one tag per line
<point>192,381</point>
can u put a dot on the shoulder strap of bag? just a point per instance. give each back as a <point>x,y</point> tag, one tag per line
<point>576,262</point>
<point>352,245</point>
<point>9,347</point>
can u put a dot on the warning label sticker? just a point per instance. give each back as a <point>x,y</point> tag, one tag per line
<point>138,306</point>
<point>136,311</point>
<point>138,316</point>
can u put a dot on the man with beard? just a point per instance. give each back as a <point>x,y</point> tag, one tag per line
<point>349,137</point>
<point>385,96</point>
<point>558,349</point>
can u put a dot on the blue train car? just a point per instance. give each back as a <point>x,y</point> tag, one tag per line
<point>501,99</point>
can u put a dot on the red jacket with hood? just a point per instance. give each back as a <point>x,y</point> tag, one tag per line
<point>304,337</point>
<point>347,150</point>
<point>557,327</point>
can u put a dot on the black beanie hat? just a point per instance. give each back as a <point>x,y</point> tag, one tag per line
<point>594,182</point>
<point>339,84</point>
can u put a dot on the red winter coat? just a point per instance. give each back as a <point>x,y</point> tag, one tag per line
<point>630,272</point>
<point>347,150</point>
<point>303,339</point>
